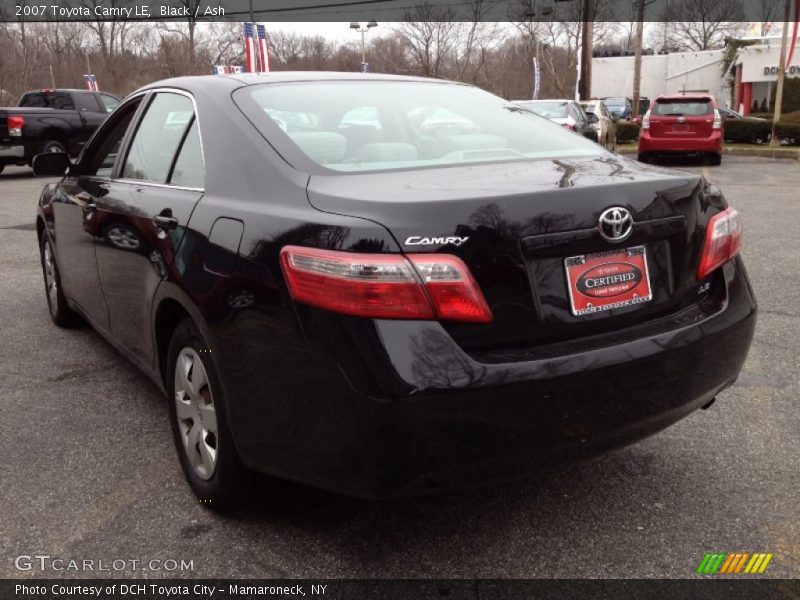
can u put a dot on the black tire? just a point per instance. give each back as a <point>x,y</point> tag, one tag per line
<point>230,483</point>
<point>61,314</point>
<point>644,157</point>
<point>614,144</point>
<point>715,160</point>
<point>52,146</point>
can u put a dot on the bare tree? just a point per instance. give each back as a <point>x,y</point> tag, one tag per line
<point>429,35</point>
<point>222,44</point>
<point>768,10</point>
<point>707,24</point>
<point>185,29</point>
<point>286,47</point>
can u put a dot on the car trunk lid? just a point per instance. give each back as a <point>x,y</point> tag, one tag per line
<point>515,225</point>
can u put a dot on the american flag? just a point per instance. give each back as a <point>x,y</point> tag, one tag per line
<point>91,83</point>
<point>249,48</point>
<point>263,48</point>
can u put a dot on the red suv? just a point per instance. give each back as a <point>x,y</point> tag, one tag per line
<point>682,124</point>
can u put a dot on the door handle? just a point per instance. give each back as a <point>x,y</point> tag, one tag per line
<point>165,221</point>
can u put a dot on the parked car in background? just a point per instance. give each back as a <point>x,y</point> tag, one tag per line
<point>727,113</point>
<point>566,113</point>
<point>419,310</point>
<point>605,128</point>
<point>622,107</point>
<point>682,124</point>
<point>51,121</point>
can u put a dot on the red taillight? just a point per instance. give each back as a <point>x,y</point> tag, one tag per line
<point>723,241</point>
<point>569,127</point>
<point>717,123</point>
<point>14,124</point>
<point>390,286</point>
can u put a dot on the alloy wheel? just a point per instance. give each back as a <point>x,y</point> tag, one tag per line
<point>196,413</point>
<point>50,281</point>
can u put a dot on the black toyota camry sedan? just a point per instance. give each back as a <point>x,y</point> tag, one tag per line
<point>387,285</point>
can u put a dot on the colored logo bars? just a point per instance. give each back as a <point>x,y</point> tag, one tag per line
<point>734,563</point>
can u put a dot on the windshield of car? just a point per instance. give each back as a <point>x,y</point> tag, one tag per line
<point>588,106</point>
<point>683,107</point>
<point>359,126</point>
<point>549,110</point>
<point>616,102</point>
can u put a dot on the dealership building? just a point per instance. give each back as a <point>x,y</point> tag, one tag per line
<point>750,77</point>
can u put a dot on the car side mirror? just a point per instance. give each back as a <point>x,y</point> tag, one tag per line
<point>593,118</point>
<point>51,164</point>
<point>615,117</point>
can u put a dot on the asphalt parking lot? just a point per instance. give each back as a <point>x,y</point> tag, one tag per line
<point>90,472</point>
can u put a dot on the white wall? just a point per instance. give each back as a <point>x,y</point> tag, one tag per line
<point>661,74</point>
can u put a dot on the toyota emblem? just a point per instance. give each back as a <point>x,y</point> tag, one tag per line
<point>615,224</point>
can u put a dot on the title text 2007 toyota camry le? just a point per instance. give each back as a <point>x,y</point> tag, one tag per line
<point>386,285</point>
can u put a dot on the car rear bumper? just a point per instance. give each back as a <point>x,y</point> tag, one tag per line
<point>712,144</point>
<point>386,408</point>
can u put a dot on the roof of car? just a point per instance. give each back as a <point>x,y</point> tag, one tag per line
<point>54,90</point>
<point>246,79</point>
<point>684,95</point>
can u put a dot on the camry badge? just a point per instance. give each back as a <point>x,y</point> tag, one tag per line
<point>416,240</point>
<point>615,224</point>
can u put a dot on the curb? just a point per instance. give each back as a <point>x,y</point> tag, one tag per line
<point>791,154</point>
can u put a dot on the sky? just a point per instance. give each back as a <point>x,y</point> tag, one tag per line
<point>338,31</point>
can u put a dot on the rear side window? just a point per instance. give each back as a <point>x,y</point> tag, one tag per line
<point>88,102</point>
<point>158,137</point>
<point>683,107</point>
<point>59,100</point>
<point>188,170</point>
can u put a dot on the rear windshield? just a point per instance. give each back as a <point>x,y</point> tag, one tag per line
<point>683,107</point>
<point>60,100</point>
<point>549,110</point>
<point>357,126</point>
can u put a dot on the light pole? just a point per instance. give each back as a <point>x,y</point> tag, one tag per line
<point>363,31</point>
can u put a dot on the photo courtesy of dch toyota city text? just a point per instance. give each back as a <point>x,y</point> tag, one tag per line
<point>399,299</point>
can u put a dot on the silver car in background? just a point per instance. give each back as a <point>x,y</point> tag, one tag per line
<point>606,125</point>
<point>567,113</point>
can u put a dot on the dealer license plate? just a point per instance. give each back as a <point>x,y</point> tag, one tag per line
<point>607,280</point>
